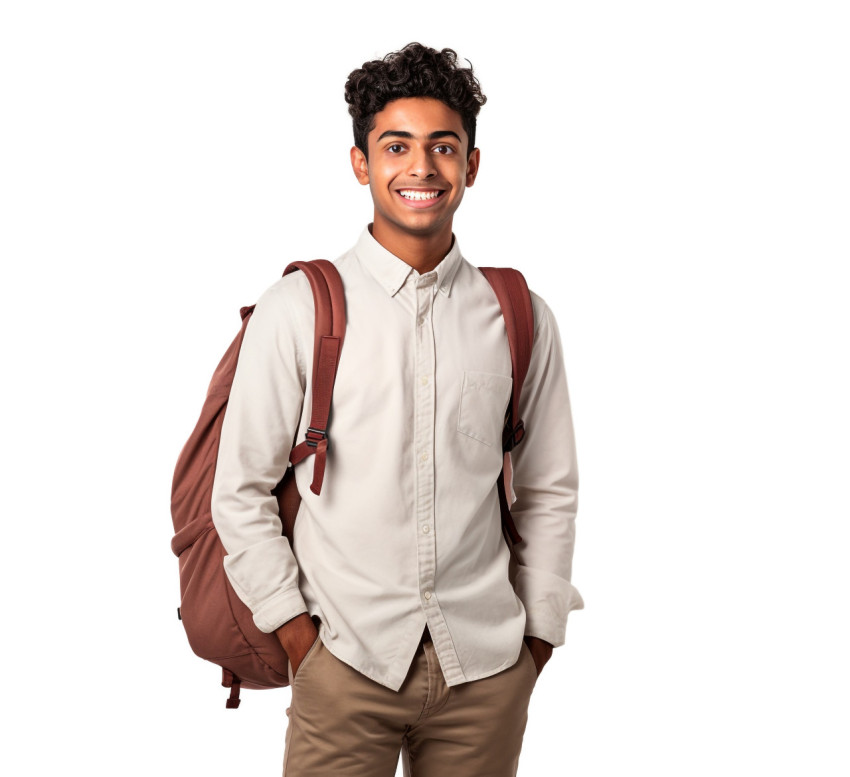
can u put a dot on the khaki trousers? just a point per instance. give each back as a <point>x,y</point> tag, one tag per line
<point>344,724</point>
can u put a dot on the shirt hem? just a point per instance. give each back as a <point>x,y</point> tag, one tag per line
<point>362,671</point>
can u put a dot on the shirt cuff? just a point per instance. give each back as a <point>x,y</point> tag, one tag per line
<point>265,577</point>
<point>280,609</point>
<point>547,599</point>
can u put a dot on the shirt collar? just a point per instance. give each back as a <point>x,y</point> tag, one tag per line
<point>391,272</point>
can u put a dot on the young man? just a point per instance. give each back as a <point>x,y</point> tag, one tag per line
<point>394,604</point>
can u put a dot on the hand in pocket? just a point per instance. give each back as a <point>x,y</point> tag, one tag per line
<point>297,637</point>
<point>303,654</point>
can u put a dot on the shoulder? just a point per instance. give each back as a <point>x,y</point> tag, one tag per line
<point>288,290</point>
<point>543,315</point>
<point>292,294</point>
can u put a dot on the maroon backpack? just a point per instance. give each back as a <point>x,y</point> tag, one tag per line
<point>219,626</point>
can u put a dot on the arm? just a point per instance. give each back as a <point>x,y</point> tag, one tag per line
<point>259,425</point>
<point>545,481</point>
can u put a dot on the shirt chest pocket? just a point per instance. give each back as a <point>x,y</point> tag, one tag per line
<point>484,398</point>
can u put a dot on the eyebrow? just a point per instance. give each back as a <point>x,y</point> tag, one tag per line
<point>432,136</point>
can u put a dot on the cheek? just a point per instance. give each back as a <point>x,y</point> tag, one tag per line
<point>456,173</point>
<point>381,177</point>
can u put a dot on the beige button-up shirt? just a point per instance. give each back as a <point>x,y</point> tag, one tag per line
<point>407,529</point>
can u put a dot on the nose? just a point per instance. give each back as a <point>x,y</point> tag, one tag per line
<point>421,164</point>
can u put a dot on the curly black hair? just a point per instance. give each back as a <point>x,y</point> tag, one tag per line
<point>414,71</point>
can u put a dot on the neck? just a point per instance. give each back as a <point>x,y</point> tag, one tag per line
<point>423,253</point>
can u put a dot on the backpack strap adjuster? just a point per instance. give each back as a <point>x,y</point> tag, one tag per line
<point>319,435</point>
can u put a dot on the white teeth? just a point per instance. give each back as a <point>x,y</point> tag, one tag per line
<point>412,194</point>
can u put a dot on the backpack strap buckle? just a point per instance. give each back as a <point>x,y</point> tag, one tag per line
<point>318,436</point>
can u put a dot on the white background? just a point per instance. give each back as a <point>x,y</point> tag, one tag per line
<point>672,177</point>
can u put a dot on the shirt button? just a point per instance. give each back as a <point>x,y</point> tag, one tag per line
<point>426,528</point>
<point>424,457</point>
<point>427,594</point>
<point>424,380</point>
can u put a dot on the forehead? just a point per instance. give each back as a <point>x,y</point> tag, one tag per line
<point>417,115</point>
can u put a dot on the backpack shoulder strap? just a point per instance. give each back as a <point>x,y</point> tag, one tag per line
<point>518,313</point>
<point>515,300</point>
<point>329,299</point>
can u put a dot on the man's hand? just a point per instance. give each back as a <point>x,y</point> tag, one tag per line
<point>297,637</point>
<point>541,651</point>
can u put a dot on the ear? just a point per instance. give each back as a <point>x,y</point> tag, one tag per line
<point>359,165</point>
<point>472,166</point>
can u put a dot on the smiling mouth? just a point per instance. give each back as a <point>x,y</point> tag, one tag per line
<point>420,195</point>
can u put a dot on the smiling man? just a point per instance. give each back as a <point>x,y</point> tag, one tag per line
<point>417,176</point>
<point>404,632</point>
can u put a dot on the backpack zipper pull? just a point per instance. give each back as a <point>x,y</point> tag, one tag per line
<point>230,680</point>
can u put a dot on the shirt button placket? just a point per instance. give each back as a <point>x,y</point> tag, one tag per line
<point>424,447</point>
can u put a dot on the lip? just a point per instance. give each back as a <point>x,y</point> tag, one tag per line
<point>420,204</point>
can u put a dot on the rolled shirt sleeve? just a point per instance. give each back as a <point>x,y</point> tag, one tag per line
<point>545,482</point>
<point>257,434</point>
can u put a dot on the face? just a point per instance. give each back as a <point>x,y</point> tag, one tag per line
<point>417,169</point>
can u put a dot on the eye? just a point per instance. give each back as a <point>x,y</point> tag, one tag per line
<point>448,149</point>
<point>394,145</point>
